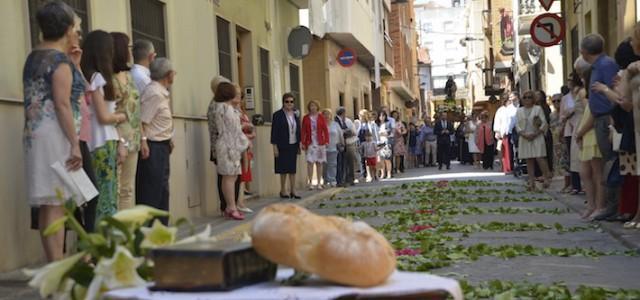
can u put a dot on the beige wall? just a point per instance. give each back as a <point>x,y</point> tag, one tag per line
<point>353,81</point>
<point>192,46</point>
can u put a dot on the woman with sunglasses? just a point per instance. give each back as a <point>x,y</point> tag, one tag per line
<point>561,160</point>
<point>285,138</point>
<point>532,125</point>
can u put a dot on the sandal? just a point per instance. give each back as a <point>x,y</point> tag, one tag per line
<point>631,225</point>
<point>234,215</point>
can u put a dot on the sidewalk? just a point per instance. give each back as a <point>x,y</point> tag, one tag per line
<point>13,285</point>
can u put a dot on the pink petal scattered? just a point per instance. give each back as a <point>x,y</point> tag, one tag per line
<point>425,211</point>
<point>418,228</point>
<point>407,252</point>
<point>442,183</point>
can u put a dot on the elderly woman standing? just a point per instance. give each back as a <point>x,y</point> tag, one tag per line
<point>230,144</point>
<point>52,117</point>
<point>484,141</point>
<point>336,141</point>
<point>532,125</point>
<point>285,138</point>
<point>128,103</point>
<point>315,137</point>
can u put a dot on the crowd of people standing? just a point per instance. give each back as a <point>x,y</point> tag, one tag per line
<point>86,108</point>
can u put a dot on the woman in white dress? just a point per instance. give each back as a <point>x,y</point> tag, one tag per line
<point>470,131</point>
<point>531,124</point>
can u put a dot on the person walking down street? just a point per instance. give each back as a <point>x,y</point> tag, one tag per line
<point>285,138</point>
<point>444,129</point>
<point>128,103</point>
<point>399,148</point>
<point>315,137</point>
<point>531,125</point>
<point>152,179</point>
<point>472,126</point>
<point>143,54</point>
<point>485,142</point>
<point>97,67</point>
<point>52,92</point>
<point>385,152</point>
<point>604,70</point>
<point>336,143</point>
<point>230,144</point>
<point>348,164</point>
<point>589,153</point>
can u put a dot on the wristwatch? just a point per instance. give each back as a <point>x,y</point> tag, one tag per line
<point>124,143</point>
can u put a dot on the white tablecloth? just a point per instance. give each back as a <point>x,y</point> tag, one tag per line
<point>400,283</point>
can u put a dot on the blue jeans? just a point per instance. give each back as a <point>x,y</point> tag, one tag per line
<point>331,167</point>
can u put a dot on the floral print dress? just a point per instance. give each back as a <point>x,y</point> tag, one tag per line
<point>45,143</point>
<point>231,141</point>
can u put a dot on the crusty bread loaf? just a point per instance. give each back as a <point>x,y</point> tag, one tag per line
<point>331,247</point>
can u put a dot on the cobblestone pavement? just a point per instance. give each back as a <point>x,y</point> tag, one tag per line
<point>612,271</point>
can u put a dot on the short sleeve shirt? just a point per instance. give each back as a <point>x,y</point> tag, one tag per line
<point>155,112</point>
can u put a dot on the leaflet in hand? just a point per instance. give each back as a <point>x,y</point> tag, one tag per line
<point>77,182</point>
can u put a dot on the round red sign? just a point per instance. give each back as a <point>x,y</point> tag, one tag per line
<point>547,29</point>
<point>346,57</point>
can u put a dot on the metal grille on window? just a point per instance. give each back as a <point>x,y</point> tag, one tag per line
<point>147,22</point>
<point>79,7</point>
<point>224,48</point>
<point>294,79</point>
<point>265,84</point>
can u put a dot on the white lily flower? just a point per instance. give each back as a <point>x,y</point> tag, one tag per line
<point>158,235</point>
<point>68,287</point>
<point>117,272</point>
<point>205,235</point>
<point>48,279</point>
<point>96,288</point>
<point>139,214</point>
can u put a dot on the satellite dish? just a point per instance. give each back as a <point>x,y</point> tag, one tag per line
<point>529,51</point>
<point>299,42</point>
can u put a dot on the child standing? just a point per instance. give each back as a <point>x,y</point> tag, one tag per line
<point>369,150</point>
<point>414,150</point>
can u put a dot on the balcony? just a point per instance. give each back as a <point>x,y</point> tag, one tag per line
<point>529,7</point>
<point>400,87</point>
<point>388,56</point>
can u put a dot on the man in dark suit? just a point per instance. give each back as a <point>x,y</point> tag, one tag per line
<point>443,130</point>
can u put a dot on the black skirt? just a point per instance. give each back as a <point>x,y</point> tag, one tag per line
<point>285,163</point>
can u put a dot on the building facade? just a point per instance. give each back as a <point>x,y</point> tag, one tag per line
<point>244,40</point>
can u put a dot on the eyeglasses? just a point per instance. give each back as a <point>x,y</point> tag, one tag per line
<point>556,101</point>
<point>288,102</point>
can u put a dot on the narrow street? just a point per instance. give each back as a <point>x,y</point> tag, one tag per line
<point>484,228</point>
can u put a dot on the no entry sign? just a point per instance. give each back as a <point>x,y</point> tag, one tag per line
<point>547,29</point>
<point>346,57</point>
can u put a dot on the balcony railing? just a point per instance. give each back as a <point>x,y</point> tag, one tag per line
<point>388,52</point>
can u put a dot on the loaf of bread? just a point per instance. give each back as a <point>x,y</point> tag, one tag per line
<point>336,249</point>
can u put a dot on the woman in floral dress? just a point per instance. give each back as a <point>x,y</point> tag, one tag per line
<point>230,144</point>
<point>128,103</point>
<point>52,117</point>
<point>399,147</point>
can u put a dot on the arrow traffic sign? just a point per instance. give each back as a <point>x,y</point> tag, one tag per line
<point>546,4</point>
<point>547,29</point>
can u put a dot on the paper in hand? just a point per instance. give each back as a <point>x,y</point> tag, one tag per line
<point>77,182</point>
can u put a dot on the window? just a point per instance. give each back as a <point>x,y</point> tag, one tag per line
<point>79,6</point>
<point>265,84</point>
<point>450,63</point>
<point>224,48</point>
<point>356,107</point>
<point>341,99</point>
<point>449,44</point>
<point>294,81</point>
<point>448,26</point>
<point>575,52</point>
<point>147,22</point>
<point>428,27</point>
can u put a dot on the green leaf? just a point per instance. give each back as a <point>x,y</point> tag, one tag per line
<point>56,226</point>
<point>124,229</point>
<point>82,273</point>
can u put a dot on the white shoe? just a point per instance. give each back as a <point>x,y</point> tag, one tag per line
<point>245,210</point>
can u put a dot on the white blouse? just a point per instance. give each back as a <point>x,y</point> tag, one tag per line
<point>100,133</point>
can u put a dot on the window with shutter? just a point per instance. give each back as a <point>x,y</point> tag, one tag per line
<point>265,84</point>
<point>79,6</point>
<point>148,22</point>
<point>294,80</point>
<point>224,48</point>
